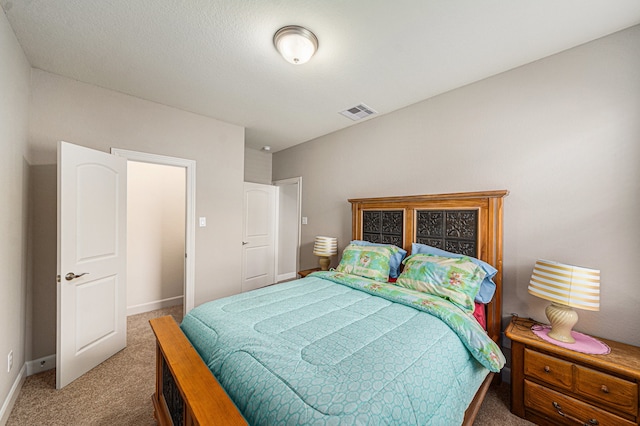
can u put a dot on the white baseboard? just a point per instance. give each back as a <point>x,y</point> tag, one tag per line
<point>41,364</point>
<point>152,306</point>
<point>8,404</point>
<point>284,277</point>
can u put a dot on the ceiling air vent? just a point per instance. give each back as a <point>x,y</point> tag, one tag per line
<point>357,112</point>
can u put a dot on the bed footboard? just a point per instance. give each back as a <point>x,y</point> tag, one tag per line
<point>186,392</point>
<point>473,408</point>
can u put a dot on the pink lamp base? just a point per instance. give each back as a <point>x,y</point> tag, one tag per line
<point>585,344</point>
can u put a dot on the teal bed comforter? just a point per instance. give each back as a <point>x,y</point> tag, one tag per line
<point>334,348</point>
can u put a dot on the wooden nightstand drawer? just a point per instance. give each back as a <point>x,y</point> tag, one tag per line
<point>618,393</point>
<point>564,410</point>
<point>605,387</point>
<point>548,369</point>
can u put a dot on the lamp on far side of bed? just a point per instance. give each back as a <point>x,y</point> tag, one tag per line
<point>566,287</point>
<point>325,247</point>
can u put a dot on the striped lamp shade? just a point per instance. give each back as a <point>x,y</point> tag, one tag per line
<point>325,246</point>
<point>567,285</point>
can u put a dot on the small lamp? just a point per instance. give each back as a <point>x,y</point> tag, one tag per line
<point>296,44</point>
<point>325,247</point>
<point>566,287</point>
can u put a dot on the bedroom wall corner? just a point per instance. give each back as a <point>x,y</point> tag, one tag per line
<point>561,134</point>
<point>257,166</point>
<point>14,220</point>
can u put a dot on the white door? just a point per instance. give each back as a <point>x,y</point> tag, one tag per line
<point>259,236</point>
<point>91,302</point>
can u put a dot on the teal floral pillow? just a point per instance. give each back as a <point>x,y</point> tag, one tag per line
<point>397,255</point>
<point>455,279</point>
<point>366,261</point>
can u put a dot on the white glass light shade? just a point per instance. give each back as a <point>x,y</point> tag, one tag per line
<point>325,246</point>
<point>296,44</point>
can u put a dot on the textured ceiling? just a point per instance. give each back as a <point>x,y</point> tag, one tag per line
<point>216,58</point>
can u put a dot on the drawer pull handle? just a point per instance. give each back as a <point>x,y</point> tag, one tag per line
<point>590,422</point>
<point>546,369</point>
<point>604,388</point>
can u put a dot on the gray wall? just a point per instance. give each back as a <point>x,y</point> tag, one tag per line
<point>257,166</point>
<point>561,134</point>
<point>14,104</point>
<point>64,109</point>
<point>41,340</point>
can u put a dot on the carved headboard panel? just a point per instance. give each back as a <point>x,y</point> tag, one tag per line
<point>383,226</point>
<point>452,230</point>
<point>468,223</point>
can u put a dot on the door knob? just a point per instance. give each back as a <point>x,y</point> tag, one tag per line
<point>71,275</point>
<point>244,243</point>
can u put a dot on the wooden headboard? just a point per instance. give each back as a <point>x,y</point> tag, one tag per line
<point>468,223</point>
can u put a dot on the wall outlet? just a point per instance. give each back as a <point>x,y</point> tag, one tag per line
<point>9,361</point>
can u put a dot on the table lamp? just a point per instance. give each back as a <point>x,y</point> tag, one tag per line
<point>566,287</point>
<point>325,247</point>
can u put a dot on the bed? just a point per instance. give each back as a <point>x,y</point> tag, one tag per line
<point>340,347</point>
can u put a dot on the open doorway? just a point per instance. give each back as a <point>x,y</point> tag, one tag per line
<point>289,221</point>
<point>155,236</point>
<point>188,170</point>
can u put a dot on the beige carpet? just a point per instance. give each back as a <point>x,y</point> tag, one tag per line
<point>118,391</point>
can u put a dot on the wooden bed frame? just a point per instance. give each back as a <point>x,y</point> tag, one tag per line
<point>187,393</point>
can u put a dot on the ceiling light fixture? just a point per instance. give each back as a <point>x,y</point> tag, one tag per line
<point>295,43</point>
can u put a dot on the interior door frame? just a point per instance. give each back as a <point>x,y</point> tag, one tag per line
<point>286,182</point>
<point>190,211</point>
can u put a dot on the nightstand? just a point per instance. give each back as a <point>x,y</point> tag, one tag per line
<point>551,385</point>
<point>307,272</point>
